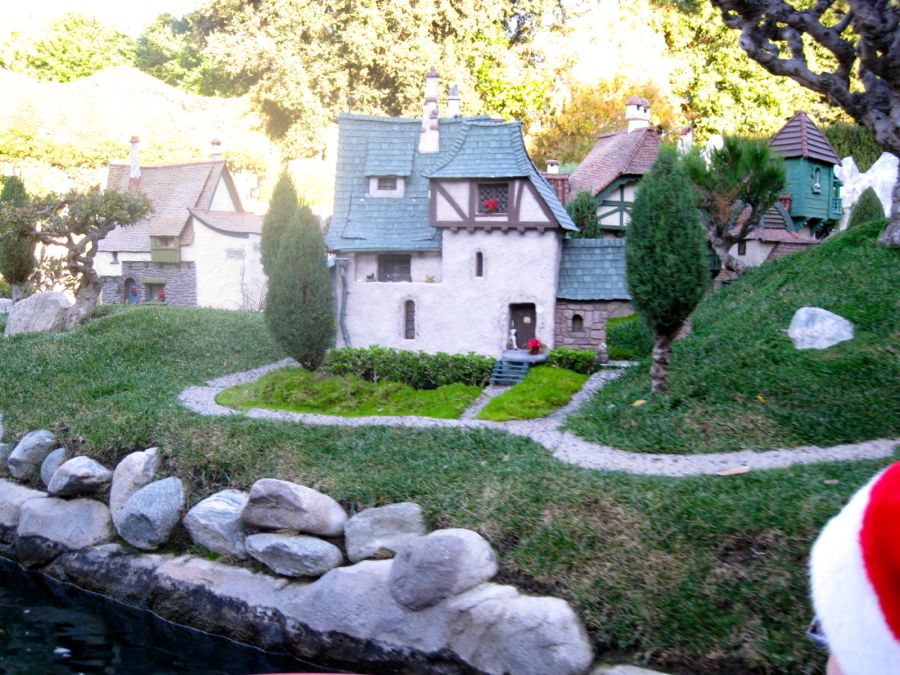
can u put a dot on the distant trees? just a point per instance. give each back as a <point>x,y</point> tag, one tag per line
<point>277,220</point>
<point>736,185</point>
<point>16,247</point>
<point>665,256</point>
<point>299,305</point>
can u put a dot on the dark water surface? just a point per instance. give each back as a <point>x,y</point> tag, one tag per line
<point>48,628</point>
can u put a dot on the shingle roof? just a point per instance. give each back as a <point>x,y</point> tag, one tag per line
<point>592,269</point>
<point>474,147</point>
<point>615,155</point>
<point>560,184</point>
<point>230,221</point>
<point>799,137</point>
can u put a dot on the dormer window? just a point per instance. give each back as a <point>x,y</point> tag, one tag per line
<point>385,186</point>
<point>388,183</point>
<point>493,198</point>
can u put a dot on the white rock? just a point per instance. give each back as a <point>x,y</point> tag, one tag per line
<point>881,177</point>
<point>31,451</point>
<point>132,473</point>
<point>51,463</point>
<point>440,565</point>
<point>12,497</point>
<point>817,328</point>
<point>151,513</point>
<point>384,528</point>
<point>39,312</point>
<point>215,523</point>
<point>73,523</point>
<point>79,476</point>
<point>278,504</point>
<point>294,556</point>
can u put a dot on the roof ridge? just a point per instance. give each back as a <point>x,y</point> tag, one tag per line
<point>170,166</point>
<point>636,146</point>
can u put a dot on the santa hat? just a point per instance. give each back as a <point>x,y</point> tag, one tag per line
<point>855,573</point>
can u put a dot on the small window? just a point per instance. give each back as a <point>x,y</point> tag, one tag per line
<point>409,320</point>
<point>742,247</point>
<point>115,257</point>
<point>155,292</point>
<point>479,264</point>
<point>387,183</point>
<point>493,197</point>
<point>817,180</point>
<point>165,242</point>
<point>577,323</point>
<point>394,268</point>
<point>234,253</point>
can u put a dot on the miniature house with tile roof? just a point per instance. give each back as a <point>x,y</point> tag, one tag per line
<point>198,247</point>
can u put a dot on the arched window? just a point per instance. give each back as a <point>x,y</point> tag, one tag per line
<point>479,264</point>
<point>409,320</point>
<point>577,323</point>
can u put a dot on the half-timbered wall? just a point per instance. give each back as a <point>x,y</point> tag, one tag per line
<point>456,203</point>
<point>614,205</point>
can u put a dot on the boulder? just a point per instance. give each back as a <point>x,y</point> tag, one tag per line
<point>30,453</point>
<point>12,497</point>
<point>5,451</point>
<point>440,565</point>
<point>294,556</point>
<point>383,530</point>
<point>215,523</point>
<point>817,328</point>
<point>151,513</point>
<point>51,463</point>
<point>50,526</point>
<point>5,306</point>
<point>132,473</point>
<point>278,504</point>
<point>79,476</point>
<point>39,312</point>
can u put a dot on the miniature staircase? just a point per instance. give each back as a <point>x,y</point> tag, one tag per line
<point>508,372</point>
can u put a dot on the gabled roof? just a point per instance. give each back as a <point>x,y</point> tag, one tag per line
<point>592,269</point>
<point>172,189</point>
<point>474,147</point>
<point>615,155</point>
<point>801,138</point>
<point>230,222</point>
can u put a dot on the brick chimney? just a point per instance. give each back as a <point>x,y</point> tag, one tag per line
<point>134,175</point>
<point>786,201</point>
<point>215,150</point>
<point>429,135</point>
<point>637,113</point>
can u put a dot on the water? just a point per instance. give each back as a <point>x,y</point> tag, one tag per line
<point>49,628</point>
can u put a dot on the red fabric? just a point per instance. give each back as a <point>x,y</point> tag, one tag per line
<point>880,542</point>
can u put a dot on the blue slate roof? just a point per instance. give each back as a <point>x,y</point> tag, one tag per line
<point>388,146</point>
<point>592,269</point>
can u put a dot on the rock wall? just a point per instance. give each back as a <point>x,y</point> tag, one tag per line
<point>411,600</point>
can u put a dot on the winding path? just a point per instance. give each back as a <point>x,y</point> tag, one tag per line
<point>547,432</point>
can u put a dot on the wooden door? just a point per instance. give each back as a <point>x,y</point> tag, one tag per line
<point>522,317</point>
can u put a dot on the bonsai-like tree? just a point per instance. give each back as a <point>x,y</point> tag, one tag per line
<point>277,220</point>
<point>16,247</point>
<point>77,222</point>
<point>665,256</point>
<point>866,209</point>
<point>735,187</point>
<point>856,67</point>
<point>583,210</point>
<point>299,305</point>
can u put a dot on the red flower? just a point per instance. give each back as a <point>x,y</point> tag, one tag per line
<point>534,343</point>
<point>490,205</point>
<point>161,296</point>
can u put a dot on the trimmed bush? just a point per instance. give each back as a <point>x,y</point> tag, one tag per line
<point>419,370</point>
<point>582,361</point>
<point>277,221</point>
<point>628,338</point>
<point>583,210</point>
<point>16,249</point>
<point>866,209</point>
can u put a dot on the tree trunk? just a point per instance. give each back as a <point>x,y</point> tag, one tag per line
<point>85,301</point>
<point>662,354</point>
<point>891,235</point>
<point>729,262</point>
<point>17,293</point>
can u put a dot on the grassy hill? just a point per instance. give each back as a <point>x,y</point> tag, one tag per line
<point>737,382</point>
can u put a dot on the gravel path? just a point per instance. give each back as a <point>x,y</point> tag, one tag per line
<point>547,432</point>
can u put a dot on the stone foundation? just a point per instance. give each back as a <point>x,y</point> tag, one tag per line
<point>180,282</point>
<point>591,334</point>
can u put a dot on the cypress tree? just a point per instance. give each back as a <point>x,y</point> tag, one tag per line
<point>16,248</point>
<point>299,305</point>
<point>866,209</point>
<point>665,255</point>
<point>583,210</point>
<point>275,224</point>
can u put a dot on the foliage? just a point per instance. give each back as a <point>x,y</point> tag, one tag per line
<point>582,361</point>
<point>419,370</point>
<point>16,247</point>
<point>277,221</point>
<point>299,390</point>
<point>299,304</point>
<point>738,183</point>
<point>737,382</point>
<point>73,46</point>
<point>628,338</point>
<point>5,288</point>
<point>583,210</point>
<point>541,392</point>
<point>866,209</point>
<point>852,140</point>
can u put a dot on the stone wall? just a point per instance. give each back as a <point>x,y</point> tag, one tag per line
<point>594,316</point>
<point>180,282</point>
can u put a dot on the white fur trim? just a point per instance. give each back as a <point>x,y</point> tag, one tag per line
<point>844,598</point>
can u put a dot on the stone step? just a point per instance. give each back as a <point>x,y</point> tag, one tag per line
<point>508,372</point>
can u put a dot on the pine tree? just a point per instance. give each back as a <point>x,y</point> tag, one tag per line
<point>583,210</point>
<point>275,224</point>
<point>299,305</point>
<point>665,255</point>
<point>16,247</point>
<point>866,209</point>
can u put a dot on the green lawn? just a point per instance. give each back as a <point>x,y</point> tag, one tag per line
<point>543,390</point>
<point>299,390</point>
<point>737,382</point>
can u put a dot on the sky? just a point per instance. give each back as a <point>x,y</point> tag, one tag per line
<point>127,16</point>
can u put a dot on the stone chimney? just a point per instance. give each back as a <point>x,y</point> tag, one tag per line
<point>637,113</point>
<point>786,201</point>
<point>134,175</point>
<point>552,166</point>
<point>215,150</point>
<point>429,135</point>
<point>453,101</point>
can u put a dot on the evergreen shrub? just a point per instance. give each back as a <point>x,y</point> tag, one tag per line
<point>582,361</point>
<point>419,370</point>
<point>866,209</point>
<point>628,338</point>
